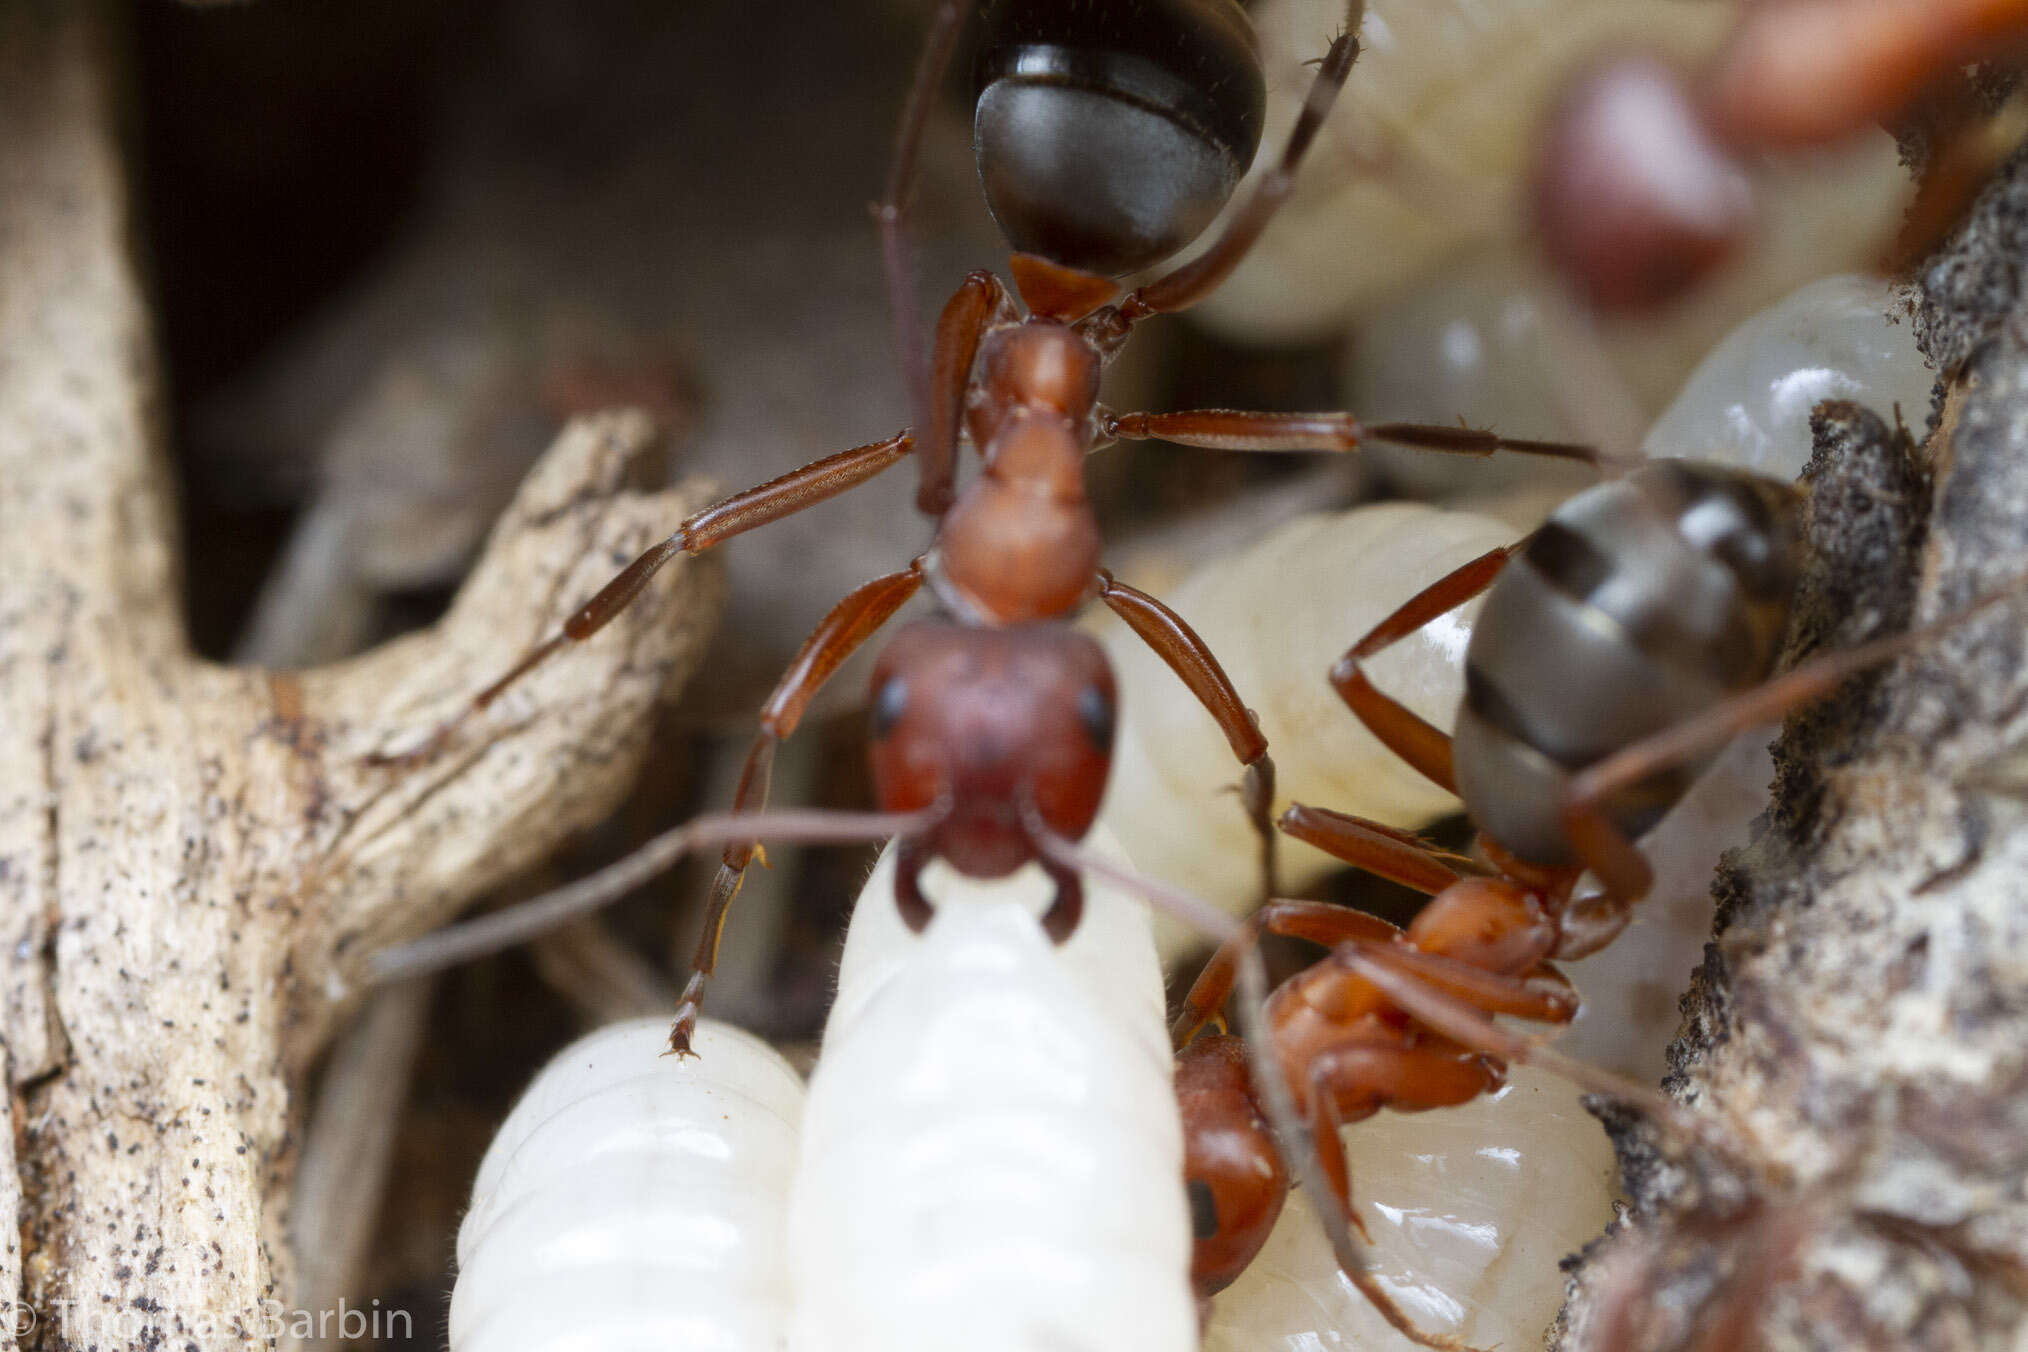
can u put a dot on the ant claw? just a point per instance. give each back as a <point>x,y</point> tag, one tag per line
<point>688,1007</point>
<point>680,1032</point>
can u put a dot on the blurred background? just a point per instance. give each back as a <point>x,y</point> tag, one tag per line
<point>396,246</point>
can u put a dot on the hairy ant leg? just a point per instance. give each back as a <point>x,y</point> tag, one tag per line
<point>1385,851</point>
<point>1436,1073</point>
<point>816,482</point>
<point>1320,922</point>
<point>1177,644</point>
<point>1225,429</point>
<point>976,306</point>
<point>1423,746</point>
<point>837,636</point>
<point>1607,851</point>
<point>1469,1026</point>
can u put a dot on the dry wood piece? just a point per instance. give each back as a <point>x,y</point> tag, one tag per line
<point>192,858</point>
<point>1860,1022</point>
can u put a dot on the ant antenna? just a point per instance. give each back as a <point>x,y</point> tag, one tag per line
<point>518,924</point>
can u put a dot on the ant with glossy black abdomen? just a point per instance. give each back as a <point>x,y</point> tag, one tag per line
<point>1107,138</point>
<point>1620,646</point>
<point>1642,183</point>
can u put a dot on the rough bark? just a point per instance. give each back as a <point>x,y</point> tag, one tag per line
<point>193,857</point>
<point>1860,1025</point>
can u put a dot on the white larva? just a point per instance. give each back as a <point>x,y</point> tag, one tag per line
<point>1278,615</point>
<point>1749,401</point>
<point>635,1203</point>
<point>988,1157</point>
<point>1470,1210</point>
<point>992,1161</point>
<point>991,1153</point>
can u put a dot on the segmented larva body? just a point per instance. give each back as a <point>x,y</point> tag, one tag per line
<point>1278,614</point>
<point>635,1203</point>
<point>992,1161</point>
<point>988,1157</point>
<point>1470,1210</point>
<point>991,1142</point>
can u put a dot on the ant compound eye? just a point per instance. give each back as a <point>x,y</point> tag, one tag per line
<point>1096,711</point>
<point>888,704</point>
<point>1203,1210</point>
<point>1109,135</point>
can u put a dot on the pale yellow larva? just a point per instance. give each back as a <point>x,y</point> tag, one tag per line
<point>991,1155</point>
<point>1278,614</point>
<point>631,1201</point>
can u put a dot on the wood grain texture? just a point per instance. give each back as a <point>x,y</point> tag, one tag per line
<point>1859,1021</point>
<point>192,857</point>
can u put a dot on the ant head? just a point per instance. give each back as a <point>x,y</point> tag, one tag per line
<point>1109,135</point>
<point>1635,200</point>
<point>1233,1172</point>
<point>991,721</point>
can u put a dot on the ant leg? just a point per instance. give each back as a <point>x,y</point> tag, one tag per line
<point>1541,995</point>
<point>1396,855</point>
<point>816,482</point>
<point>538,915</point>
<point>1192,282</point>
<point>1320,922</point>
<point>1176,643</point>
<point>1225,429</point>
<point>1401,731</point>
<point>837,636</point>
<point>1468,1026</point>
<point>977,305</point>
<point>1375,1073</point>
<point>1605,849</point>
<point>930,69</point>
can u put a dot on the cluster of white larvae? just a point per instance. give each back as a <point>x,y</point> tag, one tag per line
<point>988,1154</point>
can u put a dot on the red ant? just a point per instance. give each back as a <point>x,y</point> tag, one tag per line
<point>1622,643</point>
<point>1107,136</point>
<point>1641,185</point>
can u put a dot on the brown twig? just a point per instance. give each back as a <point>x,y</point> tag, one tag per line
<point>189,854</point>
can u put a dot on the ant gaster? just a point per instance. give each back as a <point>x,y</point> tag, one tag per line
<point>1107,137</point>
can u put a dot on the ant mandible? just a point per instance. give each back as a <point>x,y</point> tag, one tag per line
<point>1621,645</point>
<point>1641,186</point>
<point>1107,138</point>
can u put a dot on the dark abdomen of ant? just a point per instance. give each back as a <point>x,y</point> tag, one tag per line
<point>1642,601</point>
<point>1108,135</point>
